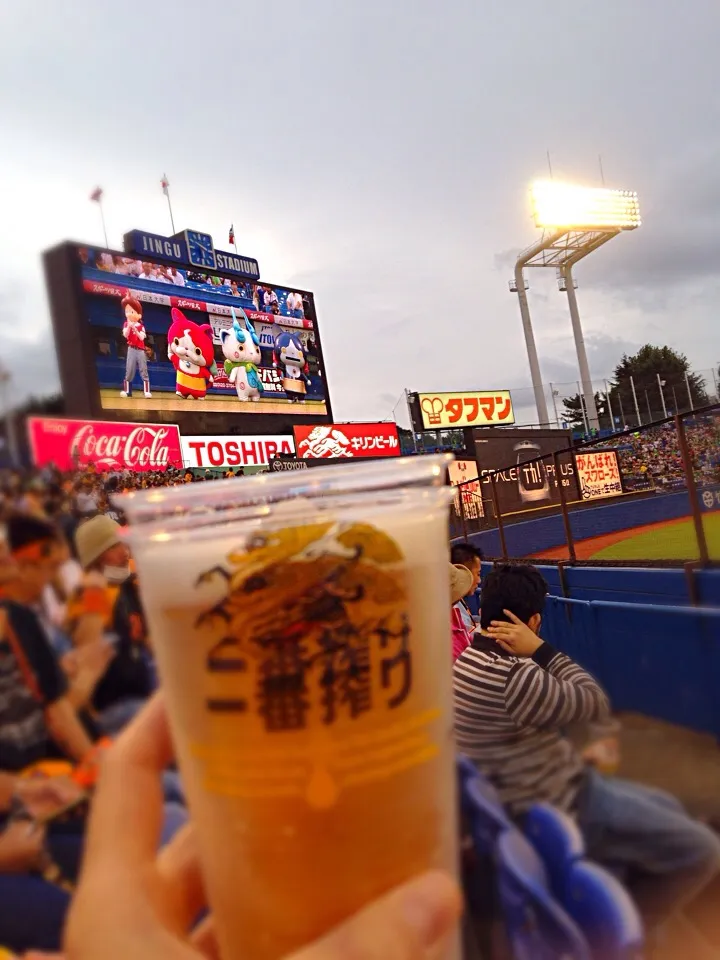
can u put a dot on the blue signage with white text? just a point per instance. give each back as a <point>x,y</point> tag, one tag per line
<point>191,248</point>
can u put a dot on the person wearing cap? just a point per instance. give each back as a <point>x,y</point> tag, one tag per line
<point>461,580</point>
<point>106,609</point>
<point>471,557</point>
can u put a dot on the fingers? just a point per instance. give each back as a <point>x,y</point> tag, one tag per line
<point>205,941</point>
<point>126,813</point>
<point>509,613</point>
<point>403,925</point>
<point>179,866</point>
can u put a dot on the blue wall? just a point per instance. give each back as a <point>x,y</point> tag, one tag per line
<point>632,584</point>
<point>661,661</point>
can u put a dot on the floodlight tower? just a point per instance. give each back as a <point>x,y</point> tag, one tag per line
<point>575,221</point>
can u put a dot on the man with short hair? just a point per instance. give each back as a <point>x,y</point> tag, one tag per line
<point>514,696</point>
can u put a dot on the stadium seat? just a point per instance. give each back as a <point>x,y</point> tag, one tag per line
<point>557,840</point>
<point>466,769</point>
<point>485,814</point>
<point>537,926</point>
<point>604,911</point>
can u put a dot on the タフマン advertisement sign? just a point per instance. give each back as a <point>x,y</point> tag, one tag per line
<point>71,444</point>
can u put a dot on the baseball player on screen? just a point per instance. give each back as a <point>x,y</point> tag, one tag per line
<point>134,333</point>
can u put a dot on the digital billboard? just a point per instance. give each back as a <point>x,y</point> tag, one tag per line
<point>523,482</point>
<point>477,408</point>
<point>142,339</point>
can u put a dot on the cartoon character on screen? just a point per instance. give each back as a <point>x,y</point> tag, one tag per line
<point>290,355</point>
<point>241,349</point>
<point>135,335</point>
<point>191,352</point>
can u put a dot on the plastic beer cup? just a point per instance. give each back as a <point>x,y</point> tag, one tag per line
<point>301,624</point>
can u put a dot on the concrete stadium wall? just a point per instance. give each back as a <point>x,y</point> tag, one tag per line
<point>534,536</point>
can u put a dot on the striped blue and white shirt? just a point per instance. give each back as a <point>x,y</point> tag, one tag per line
<point>510,713</point>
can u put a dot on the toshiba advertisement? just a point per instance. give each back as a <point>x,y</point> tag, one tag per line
<point>249,451</point>
<point>347,440</point>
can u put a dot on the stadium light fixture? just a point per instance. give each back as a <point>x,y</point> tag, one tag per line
<point>575,220</point>
<point>584,208</point>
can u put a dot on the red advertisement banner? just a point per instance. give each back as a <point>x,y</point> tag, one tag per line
<point>333,441</point>
<point>188,303</point>
<point>69,444</point>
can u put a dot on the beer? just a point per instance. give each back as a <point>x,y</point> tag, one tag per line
<point>305,654</point>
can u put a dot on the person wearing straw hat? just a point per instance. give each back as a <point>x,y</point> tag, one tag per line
<point>461,581</point>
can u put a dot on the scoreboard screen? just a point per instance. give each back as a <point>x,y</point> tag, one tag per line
<point>160,342</point>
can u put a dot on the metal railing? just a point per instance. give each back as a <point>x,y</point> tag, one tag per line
<point>660,483</point>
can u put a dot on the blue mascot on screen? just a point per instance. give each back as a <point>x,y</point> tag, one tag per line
<point>290,355</point>
<point>241,349</point>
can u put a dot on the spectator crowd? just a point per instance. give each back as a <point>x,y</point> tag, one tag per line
<point>652,458</point>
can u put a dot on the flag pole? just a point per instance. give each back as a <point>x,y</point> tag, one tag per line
<point>102,220</point>
<point>96,197</point>
<point>166,191</point>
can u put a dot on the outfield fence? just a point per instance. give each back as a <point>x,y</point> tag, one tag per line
<point>648,496</point>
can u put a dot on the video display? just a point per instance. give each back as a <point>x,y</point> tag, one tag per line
<point>169,339</point>
<point>525,482</point>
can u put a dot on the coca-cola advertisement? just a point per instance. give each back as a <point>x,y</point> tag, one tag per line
<point>72,444</point>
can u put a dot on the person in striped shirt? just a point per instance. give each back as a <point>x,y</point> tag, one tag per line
<point>515,697</point>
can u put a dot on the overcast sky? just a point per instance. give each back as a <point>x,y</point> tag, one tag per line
<point>378,153</point>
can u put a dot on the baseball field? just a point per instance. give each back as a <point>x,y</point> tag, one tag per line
<point>670,540</point>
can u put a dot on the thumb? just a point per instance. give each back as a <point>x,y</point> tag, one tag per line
<point>403,924</point>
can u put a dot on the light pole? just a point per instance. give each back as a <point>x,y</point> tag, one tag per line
<point>584,409</point>
<point>687,384</point>
<point>587,387</point>
<point>520,286</point>
<point>5,378</point>
<point>555,394</point>
<point>575,221</point>
<point>622,412</point>
<point>637,406</point>
<point>609,403</point>
<point>661,384</point>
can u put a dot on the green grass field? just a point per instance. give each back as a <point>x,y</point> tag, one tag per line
<point>675,542</point>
